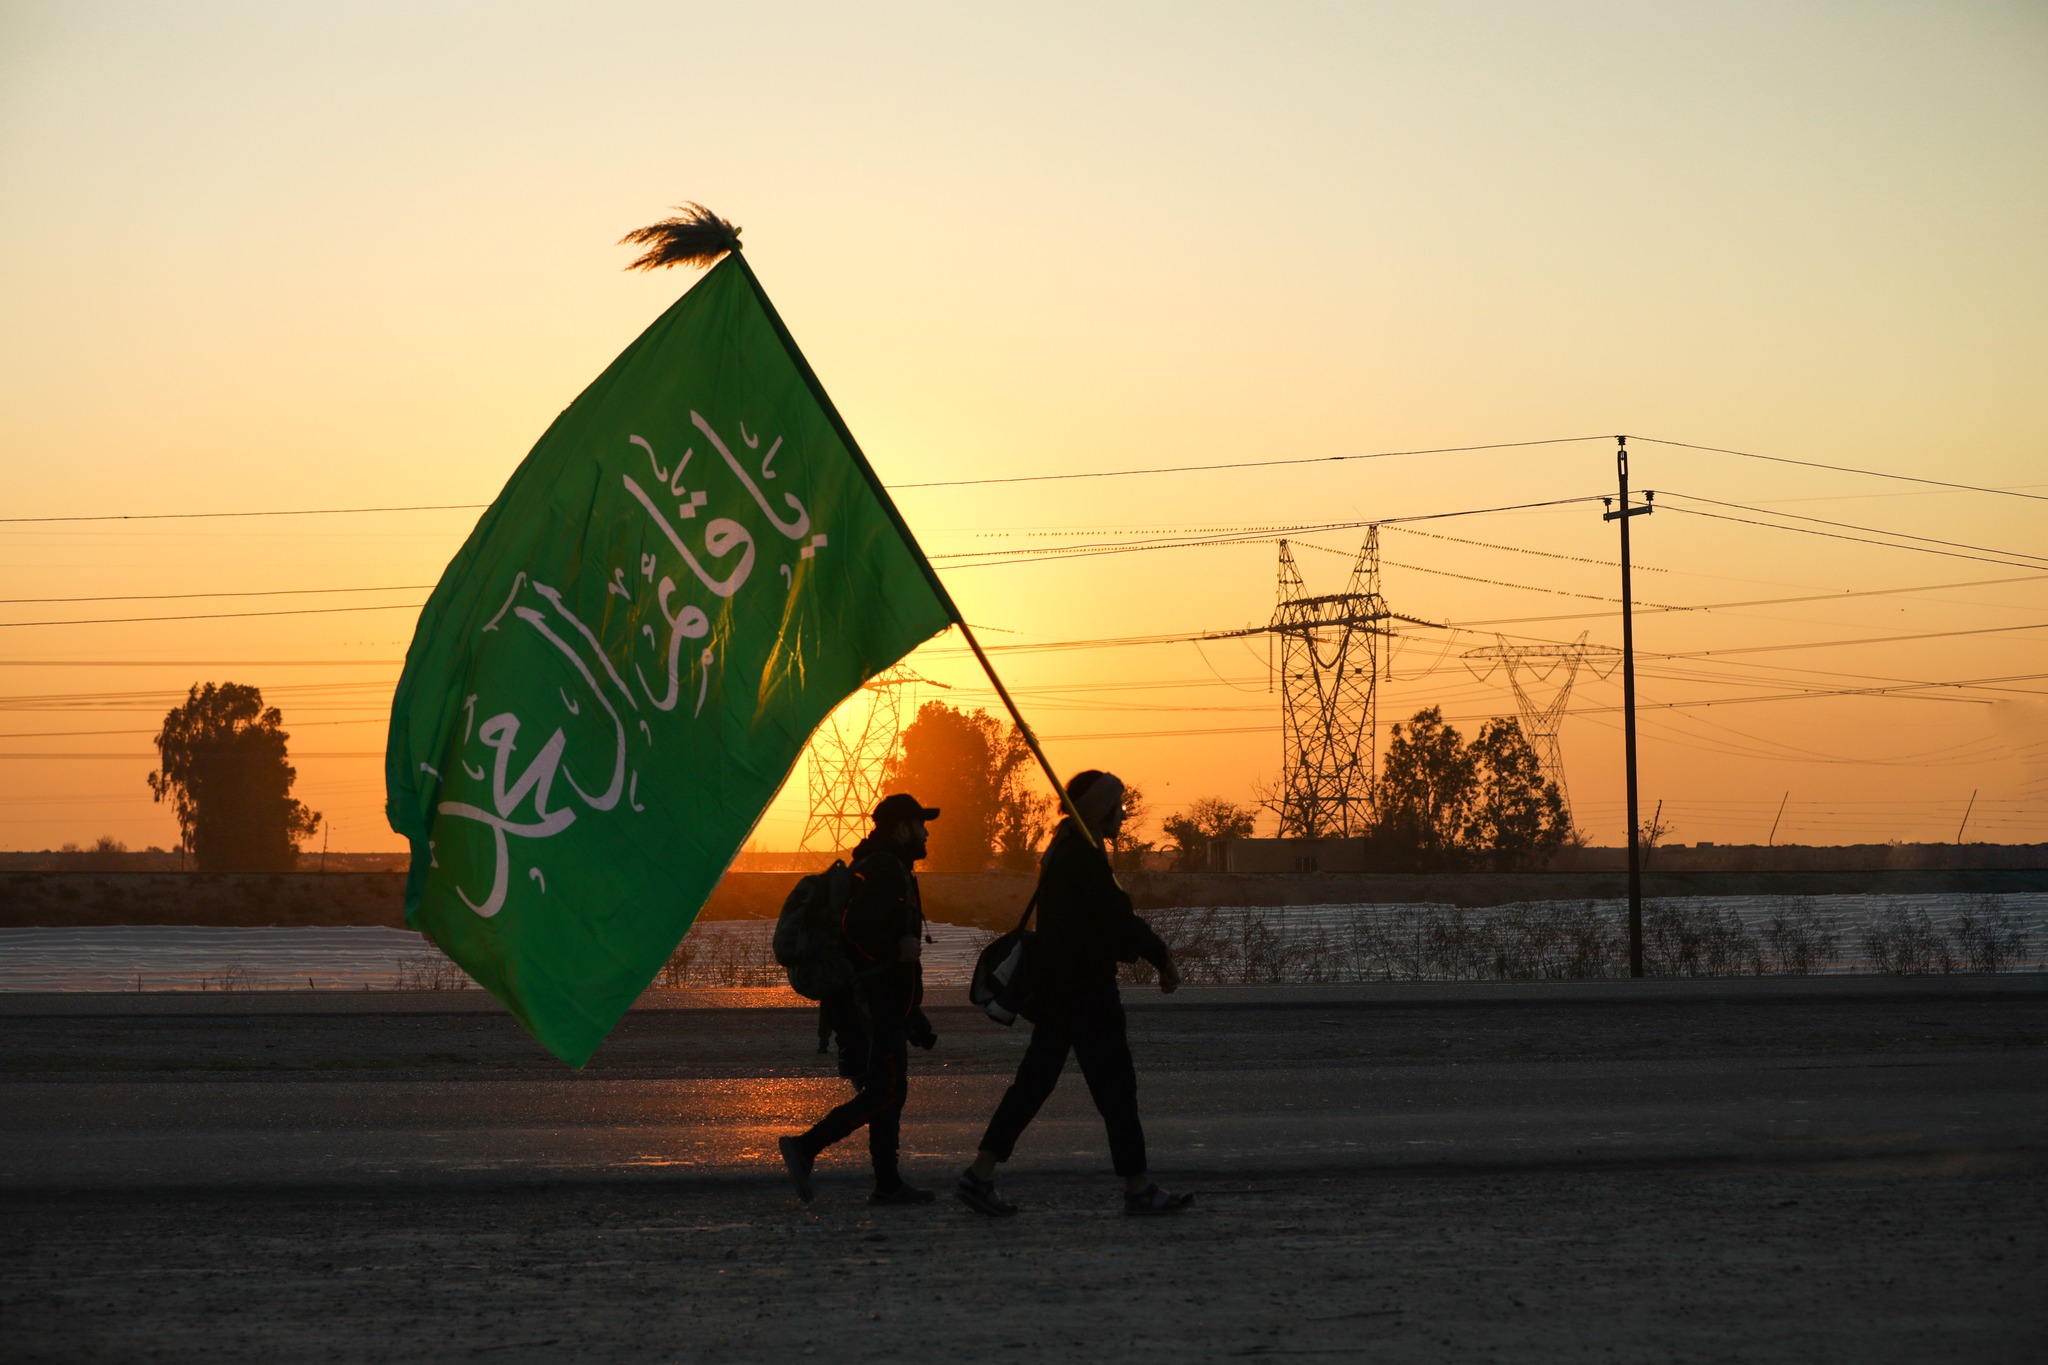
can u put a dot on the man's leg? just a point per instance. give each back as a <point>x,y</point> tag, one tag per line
<point>881,1092</point>
<point>890,1078</point>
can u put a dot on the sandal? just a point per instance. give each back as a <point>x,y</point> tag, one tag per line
<point>980,1195</point>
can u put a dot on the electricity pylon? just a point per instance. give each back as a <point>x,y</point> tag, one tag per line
<point>848,755</point>
<point>1541,721</point>
<point>1329,670</point>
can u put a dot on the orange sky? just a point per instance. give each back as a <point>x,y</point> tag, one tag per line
<point>268,258</point>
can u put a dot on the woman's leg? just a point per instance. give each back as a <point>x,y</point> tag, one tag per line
<point>1103,1048</point>
<point>1037,1074</point>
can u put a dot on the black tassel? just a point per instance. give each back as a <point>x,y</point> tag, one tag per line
<point>696,237</point>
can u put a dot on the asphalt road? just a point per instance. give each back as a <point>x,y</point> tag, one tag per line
<point>1858,1169</point>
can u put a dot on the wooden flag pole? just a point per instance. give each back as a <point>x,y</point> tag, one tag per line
<point>1023,726</point>
<point>720,238</point>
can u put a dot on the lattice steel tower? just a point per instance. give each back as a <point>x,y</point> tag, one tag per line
<point>847,756</point>
<point>1329,669</point>
<point>1542,721</point>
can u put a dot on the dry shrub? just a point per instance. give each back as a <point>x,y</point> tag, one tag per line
<point>724,958</point>
<point>429,971</point>
<point>1904,941</point>
<point>1702,941</point>
<point>1800,940</point>
<point>1989,937</point>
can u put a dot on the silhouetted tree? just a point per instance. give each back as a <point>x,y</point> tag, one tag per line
<point>1443,803</point>
<point>1025,810</point>
<point>1127,851</point>
<point>225,772</point>
<point>1518,816</point>
<point>1425,793</point>
<point>1197,830</point>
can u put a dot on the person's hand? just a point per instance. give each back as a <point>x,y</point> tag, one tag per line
<point>1169,979</point>
<point>920,1033</point>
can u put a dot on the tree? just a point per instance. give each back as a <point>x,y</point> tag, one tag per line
<point>1197,830</point>
<point>1518,818</point>
<point>983,778</point>
<point>1024,811</point>
<point>1443,803</point>
<point>949,758</point>
<point>225,772</point>
<point>1425,792</point>
<point>1127,851</point>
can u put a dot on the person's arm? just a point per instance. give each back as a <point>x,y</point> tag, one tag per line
<point>1117,921</point>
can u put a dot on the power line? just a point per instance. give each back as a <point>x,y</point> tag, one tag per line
<point>1867,640</point>
<point>268,512</point>
<point>1853,526</point>
<point>1848,469</point>
<point>1242,464</point>
<point>211,615</point>
<point>1834,535</point>
<point>1033,555</point>
<point>178,596</point>
<point>200,663</point>
<point>1089,474</point>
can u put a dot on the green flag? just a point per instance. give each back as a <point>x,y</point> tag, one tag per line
<point>620,667</point>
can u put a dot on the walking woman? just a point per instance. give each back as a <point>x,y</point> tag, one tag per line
<point>1085,927</point>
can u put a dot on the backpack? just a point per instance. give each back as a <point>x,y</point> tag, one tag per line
<point>1002,983</point>
<point>807,934</point>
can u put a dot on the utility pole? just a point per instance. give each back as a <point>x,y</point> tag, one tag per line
<point>1623,514</point>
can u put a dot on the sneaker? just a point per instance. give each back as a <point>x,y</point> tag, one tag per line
<point>901,1194</point>
<point>799,1163</point>
<point>1152,1200</point>
<point>980,1195</point>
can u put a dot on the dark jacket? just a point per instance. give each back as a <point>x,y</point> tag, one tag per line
<point>1085,921</point>
<point>883,925</point>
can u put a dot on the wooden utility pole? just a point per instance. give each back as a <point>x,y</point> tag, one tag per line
<point>1624,514</point>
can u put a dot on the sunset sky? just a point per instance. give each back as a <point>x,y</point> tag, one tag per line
<point>267,257</point>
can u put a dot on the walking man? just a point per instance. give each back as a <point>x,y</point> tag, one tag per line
<point>883,932</point>
<point>1085,927</point>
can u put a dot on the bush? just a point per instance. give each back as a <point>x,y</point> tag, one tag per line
<point>1905,941</point>
<point>1697,942</point>
<point>738,955</point>
<point>1989,936</point>
<point>1800,940</point>
<point>429,971</point>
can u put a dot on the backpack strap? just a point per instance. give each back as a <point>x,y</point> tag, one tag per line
<point>1025,918</point>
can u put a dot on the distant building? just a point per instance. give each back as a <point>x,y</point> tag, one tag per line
<point>1293,855</point>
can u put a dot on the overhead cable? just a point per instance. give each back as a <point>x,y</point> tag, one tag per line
<point>1847,469</point>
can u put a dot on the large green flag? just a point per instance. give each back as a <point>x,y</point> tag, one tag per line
<point>684,577</point>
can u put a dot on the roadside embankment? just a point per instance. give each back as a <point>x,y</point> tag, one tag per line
<point>988,900</point>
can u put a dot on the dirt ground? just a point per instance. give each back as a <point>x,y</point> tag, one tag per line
<point>1904,1260</point>
<point>1759,1248</point>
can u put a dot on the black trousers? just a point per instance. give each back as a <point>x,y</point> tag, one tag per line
<point>878,1103</point>
<point>1092,1028</point>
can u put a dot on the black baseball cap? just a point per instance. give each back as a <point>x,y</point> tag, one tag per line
<point>902,806</point>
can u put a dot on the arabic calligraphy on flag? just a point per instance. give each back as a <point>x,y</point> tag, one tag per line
<point>619,668</point>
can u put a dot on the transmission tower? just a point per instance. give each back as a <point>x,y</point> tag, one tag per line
<point>1541,721</point>
<point>847,757</point>
<point>1329,668</point>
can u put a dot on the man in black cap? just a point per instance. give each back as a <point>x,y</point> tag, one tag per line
<point>883,929</point>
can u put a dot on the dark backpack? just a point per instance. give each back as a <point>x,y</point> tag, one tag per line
<point>808,942</point>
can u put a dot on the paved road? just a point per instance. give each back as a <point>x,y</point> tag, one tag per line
<point>281,1090</point>
<point>1757,1171</point>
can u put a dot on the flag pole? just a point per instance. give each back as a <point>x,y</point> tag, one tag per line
<point>931,575</point>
